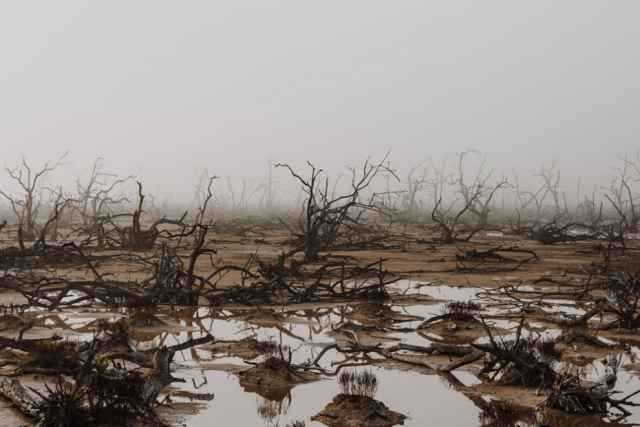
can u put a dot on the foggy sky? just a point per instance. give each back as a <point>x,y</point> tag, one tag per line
<point>165,89</point>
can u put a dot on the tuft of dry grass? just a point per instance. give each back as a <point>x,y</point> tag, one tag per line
<point>461,310</point>
<point>362,383</point>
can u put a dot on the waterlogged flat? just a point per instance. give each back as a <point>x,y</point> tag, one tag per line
<point>216,391</point>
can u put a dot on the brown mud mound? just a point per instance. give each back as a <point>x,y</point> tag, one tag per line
<point>349,333</point>
<point>459,331</point>
<point>377,314</point>
<point>273,379</point>
<point>355,411</point>
<point>247,348</point>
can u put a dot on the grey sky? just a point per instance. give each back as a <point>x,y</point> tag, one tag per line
<point>165,89</point>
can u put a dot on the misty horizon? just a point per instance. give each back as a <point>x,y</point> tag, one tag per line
<point>165,92</point>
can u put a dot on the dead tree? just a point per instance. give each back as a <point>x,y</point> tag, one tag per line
<point>523,361</point>
<point>623,301</point>
<point>26,205</point>
<point>416,183</point>
<point>173,282</point>
<point>95,197</point>
<point>532,204</point>
<point>450,225</point>
<point>205,197</point>
<point>268,188</point>
<point>60,203</point>
<point>622,198</point>
<point>592,212</point>
<point>477,194</point>
<point>135,237</point>
<point>327,217</point>
<point>527,202</point>
<point>573,395</point>
<point>438,182</point>
<point>240,199</point>
<point>475,198</point>
<point>551,187</point>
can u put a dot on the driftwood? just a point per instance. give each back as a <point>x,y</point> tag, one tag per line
<point>21,397</point>
<point>493,260</point>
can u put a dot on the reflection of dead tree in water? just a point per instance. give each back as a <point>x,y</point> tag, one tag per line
<point>365,355</point>
<point>494,413</point>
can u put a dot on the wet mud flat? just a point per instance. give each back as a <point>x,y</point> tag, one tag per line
<point>440,346</point>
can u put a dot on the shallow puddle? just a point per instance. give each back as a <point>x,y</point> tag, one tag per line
<point>424,399</point>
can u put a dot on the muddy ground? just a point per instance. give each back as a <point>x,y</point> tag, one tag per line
<point>240,379</point>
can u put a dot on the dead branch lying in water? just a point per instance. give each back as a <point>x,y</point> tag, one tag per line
<point>573,395</point>
<point>91,386</point>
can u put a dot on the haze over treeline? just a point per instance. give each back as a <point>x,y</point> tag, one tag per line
<point>165,91</point>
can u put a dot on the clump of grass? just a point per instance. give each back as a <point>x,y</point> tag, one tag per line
<point>362,383</point>
<point>99,396</point>
<point>268,348</point>
<point>62,406</point>
<point>116,393</point>
<point>461,310</point>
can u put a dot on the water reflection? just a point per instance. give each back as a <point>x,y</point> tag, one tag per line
<point>270,410</point>
<point>254,334</point>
